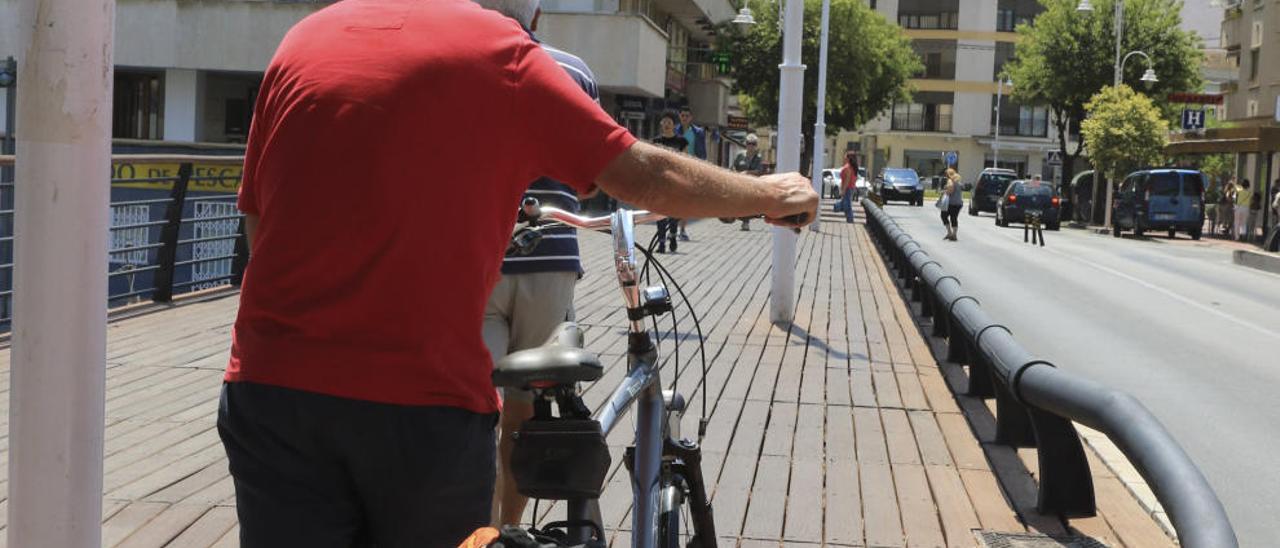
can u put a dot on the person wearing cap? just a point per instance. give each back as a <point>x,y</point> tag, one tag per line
<point>357,406</point>
<point>749,162</point>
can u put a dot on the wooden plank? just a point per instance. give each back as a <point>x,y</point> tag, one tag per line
<point>989,503</point>
<point>899,437</point>
<point>128,520</point>
<point>804,515</point>
<point>1134,526</point>
<point>230,540</point>
<point>781,429</point>
<point>933,446</point>
<point>919,516</point>
<point>954,508</point>
<point>165,527</point>
<point>883,520</point>
<point>965,449</point>
<point>768,503</point>
<point>843,515</point>
<point>912,392</point>
<point>207,530</point>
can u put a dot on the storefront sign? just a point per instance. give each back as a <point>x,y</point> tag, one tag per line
<point>738,122</point>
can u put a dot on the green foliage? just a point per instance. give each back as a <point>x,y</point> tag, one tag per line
<point>1065,57</point>
<point>1124,131</point>
<point>869,64</point>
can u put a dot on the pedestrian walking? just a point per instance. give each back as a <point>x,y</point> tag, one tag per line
<point>1212,196</point>
<point>1256,207</point>
<point>358,407</point>
<point>535,293</point>
<point>668,138</point>
<point>1226,208</point>
<point>750,163</point>
<point>695,145</point>
<point>848,184</point>
<point>950,202</point>
<point>1244,201</point>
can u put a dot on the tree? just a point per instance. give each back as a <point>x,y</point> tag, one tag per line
<point>1125,130</point>
<point>869,64</point>
<point>1066,57</point>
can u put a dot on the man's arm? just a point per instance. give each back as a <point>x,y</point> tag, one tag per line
<point>250,228</point>
<point>680,186</point>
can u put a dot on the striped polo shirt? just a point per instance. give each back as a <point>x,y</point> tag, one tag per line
<point>558,250</point>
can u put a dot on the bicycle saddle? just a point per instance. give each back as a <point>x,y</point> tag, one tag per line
<point>561,360</point>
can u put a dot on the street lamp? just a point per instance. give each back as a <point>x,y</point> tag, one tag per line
<point>1000,92</point>
<point>744,19</point>
<point>1148,77</point>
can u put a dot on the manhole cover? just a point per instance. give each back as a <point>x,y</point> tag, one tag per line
<point>992,539</point>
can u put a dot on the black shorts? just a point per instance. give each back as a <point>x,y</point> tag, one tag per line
<point>321,471</point>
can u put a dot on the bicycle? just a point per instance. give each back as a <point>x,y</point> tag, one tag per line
<point>564,456</point>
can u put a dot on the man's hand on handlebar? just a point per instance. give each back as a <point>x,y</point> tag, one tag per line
<point>796,204</point>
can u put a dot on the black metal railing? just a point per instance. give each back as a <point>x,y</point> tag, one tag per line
<point>170,234</point>
<point>921,122</point>
<point>1036,403</point>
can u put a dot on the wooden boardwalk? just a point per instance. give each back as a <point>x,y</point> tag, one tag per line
<point>839,431</point>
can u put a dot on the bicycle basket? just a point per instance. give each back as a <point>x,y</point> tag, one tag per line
<point>560,459</point>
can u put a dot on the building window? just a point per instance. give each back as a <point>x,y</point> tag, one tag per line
<point>1254,56</point>
<point>1004,54</point>
<point>929,21</point>
<point>922,117</point>
<point>138,106</point>
<point>939,58</point>
<point>1252,109</point>
<point>1021,120</point>
<point>1005,20</point>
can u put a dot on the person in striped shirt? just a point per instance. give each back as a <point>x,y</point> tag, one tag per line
<point>535,292</point>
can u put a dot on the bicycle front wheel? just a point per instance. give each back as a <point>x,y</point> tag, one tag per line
<point>673,531</point>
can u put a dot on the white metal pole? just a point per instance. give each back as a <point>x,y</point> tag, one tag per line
<point>999,93</point>
<point>820,126</point>
<point>57,375</point>
<point>1116,82</point>
<point>791,91</point>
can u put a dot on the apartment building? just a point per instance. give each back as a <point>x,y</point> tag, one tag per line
<point>1251,38</point>
<point>188,72</point>
<point>964,44</point>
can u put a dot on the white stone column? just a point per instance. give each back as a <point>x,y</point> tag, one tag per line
<point>183,105</point>
<point>57,374</point>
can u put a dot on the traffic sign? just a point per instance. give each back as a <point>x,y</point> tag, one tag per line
<point>1192,119</point>
<point>1053,157</point>
<point>951,158</point>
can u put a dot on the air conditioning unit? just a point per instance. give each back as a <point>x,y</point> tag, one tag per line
<point>1255,39</point>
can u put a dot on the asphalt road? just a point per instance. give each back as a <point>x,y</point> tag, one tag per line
<point>1194,337</point>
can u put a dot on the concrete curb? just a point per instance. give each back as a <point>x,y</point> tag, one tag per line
<point>1267,262</point>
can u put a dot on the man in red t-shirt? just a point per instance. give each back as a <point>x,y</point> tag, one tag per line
<point>357,405</point>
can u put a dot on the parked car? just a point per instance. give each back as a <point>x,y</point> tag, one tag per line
<point>1024,198</point>
<point>900,184</point>
<point>831,183</point>
<point>992,183</point>
<point>1160,199</point>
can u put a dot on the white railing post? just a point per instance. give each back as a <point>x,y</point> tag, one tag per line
<point>791,92</point>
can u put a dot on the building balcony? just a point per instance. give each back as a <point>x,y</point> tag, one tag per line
<point>918,122</point>
<point>627,52</point>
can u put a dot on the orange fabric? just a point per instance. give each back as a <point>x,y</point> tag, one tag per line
<point>481,538</point>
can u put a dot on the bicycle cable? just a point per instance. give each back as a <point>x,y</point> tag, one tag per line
<point>702,345</point>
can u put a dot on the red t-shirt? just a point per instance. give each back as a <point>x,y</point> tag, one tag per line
<point>389,142</point>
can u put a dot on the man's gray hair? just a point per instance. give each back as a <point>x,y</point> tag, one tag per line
<point>520,10</point>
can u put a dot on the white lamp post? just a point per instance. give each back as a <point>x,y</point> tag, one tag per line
<point>790,95</point>
<point>999,93</point>
<point>1148,77</point>
<point>820,126</point>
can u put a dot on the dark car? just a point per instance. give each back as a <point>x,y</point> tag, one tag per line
<point>1160,199</point>
<point>900,184</point>
<point>990,189</point>
<point>1026,198</point>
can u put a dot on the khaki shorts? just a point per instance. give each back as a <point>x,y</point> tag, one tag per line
<point>522,313</point>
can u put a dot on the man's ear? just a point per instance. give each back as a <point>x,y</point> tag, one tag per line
<point>534,24</point>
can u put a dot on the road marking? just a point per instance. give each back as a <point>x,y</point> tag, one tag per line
<point>1161,290</point>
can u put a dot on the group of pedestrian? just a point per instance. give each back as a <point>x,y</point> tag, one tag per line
<point>1235,210</point>
<point>357,407</point>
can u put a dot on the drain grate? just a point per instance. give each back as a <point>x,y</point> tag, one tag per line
<point>992,539</point>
